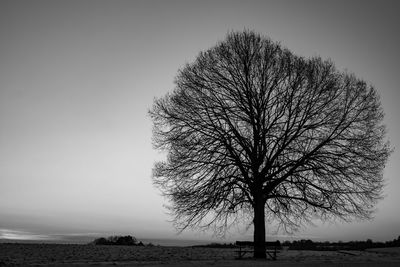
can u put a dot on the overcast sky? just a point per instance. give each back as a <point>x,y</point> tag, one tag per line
<point>77,79</point>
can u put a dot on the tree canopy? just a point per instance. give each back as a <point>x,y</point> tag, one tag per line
<point>253,131</point>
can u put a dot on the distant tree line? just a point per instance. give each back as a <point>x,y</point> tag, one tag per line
<point>118,240</point>
<point>321,246</point>
<point>340,245</point>
<point>216,245</point>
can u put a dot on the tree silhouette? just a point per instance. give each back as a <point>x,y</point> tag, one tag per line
<point>253,131</point>
<point>117,240</point>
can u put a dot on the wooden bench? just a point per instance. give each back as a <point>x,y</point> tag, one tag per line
<point>271,248</point>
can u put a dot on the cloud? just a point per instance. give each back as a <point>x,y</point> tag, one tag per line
<point>9,234</point>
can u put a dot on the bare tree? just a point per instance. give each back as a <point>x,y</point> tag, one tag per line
<point>254,131</point>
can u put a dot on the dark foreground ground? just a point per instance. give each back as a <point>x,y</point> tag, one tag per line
<point>90,255</point>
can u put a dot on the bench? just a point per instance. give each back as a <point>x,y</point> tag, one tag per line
<point>271,248</point>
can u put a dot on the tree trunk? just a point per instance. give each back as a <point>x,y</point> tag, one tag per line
<point>259,229</point>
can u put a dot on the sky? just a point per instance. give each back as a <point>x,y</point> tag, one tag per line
<point>77,79</point>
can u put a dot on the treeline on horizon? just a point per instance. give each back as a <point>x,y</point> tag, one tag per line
<point>127,240</point>
<point>303,244</point>
<point>308,244</point>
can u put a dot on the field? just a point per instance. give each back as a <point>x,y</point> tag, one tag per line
<point>90,255</point>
